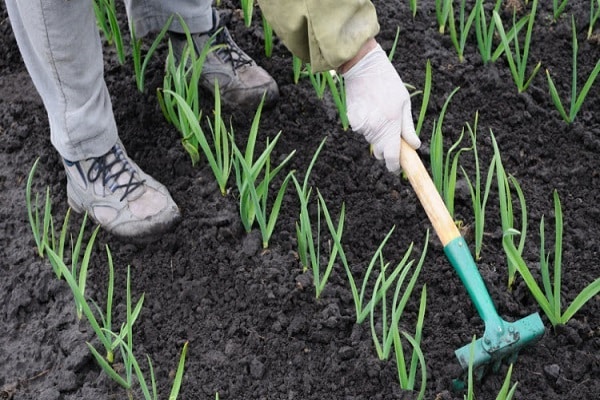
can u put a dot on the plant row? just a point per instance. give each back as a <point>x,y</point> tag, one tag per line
<point>483,21</point>
<point>116,356</point>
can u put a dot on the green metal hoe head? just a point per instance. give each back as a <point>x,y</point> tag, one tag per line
<point>501,342</point>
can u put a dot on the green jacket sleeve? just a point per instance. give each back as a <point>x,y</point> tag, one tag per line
<point>325,33</point>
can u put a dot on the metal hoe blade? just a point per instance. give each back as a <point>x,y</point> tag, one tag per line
<point>513,336</point>
<point>502,340</point>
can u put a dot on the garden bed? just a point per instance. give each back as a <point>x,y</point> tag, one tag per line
<point>254,327</point>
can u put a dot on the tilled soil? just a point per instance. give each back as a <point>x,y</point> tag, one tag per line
<point>254,327</point>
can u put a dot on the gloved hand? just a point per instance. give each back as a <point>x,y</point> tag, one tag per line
<point>378,106</point>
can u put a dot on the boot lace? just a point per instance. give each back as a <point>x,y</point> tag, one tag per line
<point>111,170</point>
<point>229,52</point>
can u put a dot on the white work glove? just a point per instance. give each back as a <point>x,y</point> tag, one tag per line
<point>378,107</point>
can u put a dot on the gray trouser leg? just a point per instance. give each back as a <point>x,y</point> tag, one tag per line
<point>151,15</point>
<point>60,44</point>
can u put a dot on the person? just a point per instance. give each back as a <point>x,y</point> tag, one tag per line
<point>61,48</point>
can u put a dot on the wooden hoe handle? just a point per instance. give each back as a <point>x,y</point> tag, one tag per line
<point>430,199</point>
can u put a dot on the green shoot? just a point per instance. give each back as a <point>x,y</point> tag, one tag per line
<point>175,80</point>
<point>100,12</point>
<point>222,139</point>
<point>118,340</point>
<point>504,182</point>
<point>128,361</point>
<point>296,68</point>
<point>426,95</point>
<point>407,373</point>
<point>444,167</point>
<point>266,221</point>
<point>413,7</point>
<point>338,92</point>
<point>381,284</point>
<point>85,307</point>
<point>39,228</point>
<point>112,340</point>
<point>362,309</point>
<point>394,45</point>
<point>308,253</point>
<point>106,18</point>
<point>549,298</point>
<point>304,191</point>
<point>594,15</point>
<point>317,80</point>
<point>459,39</point>
<point>220,159</point>
<point>522,205</point>
<point>179,374</point>
<point>247,11</point>
<point>320,278</point>
<point>80,299</point>
<point>576,99</point>
<point>131,366</point>
<point>380,300</point>
<point>140,65</point>
<point>268,32</point>
<point>470,392</point>
<point>76,247</point>
<point>44,236</point>
<point>484,30</point>
<point>63,236</point>
<point>247,173</point>
<point>130,358</point>
<point>108,368</point>
<point>558,6</point>
<point>506,391</point>
<point>81,274</point>
<point>254,193</point>
<point>146,393</point>
<point>510,36</point>
<point>451,170</point>
<point>442,13</point>
<point>320,81</point>
<point>180,104</point>
<point>477,200</point>
<point>308,245</point>
<point>183,79</point>
<point>518,62</point>
<point>106,317</point>
<point>436,155</point>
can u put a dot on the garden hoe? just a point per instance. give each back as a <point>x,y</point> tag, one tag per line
<point>501,340</point>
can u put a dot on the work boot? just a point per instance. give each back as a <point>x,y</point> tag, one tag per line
<point>242,82</point>
<point>119,196</point>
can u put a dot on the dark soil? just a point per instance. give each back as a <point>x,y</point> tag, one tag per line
<point>254,327</point>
